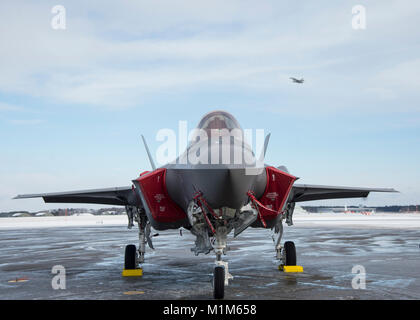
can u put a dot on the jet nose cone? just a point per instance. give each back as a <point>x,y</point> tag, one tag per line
<point>227,188</point>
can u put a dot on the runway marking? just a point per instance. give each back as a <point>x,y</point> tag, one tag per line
<point>19,280</point>
<point>133,292</point>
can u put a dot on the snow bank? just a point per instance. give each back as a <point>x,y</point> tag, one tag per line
<point>62,221</point>
<point>378,220</point>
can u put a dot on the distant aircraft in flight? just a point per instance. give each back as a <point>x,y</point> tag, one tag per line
<point>297,80</point>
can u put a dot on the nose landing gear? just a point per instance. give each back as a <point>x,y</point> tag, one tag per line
<point>221,275</point>
<point>219,282</point>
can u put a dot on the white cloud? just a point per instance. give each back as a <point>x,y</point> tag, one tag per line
<point>403,75</point>
<point>26,121</point>
<point>382,93</point>
<point>10,107</point>
<point>115,54</point>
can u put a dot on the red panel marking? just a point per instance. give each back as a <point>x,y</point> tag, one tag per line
<point>162,207</point>
<point>277,190</point>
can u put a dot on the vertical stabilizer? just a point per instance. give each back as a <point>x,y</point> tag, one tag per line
<point>148,153</point>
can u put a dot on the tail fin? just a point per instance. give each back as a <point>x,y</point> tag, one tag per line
<point>148,153</point>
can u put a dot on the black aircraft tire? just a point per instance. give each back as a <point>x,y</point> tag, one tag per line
<point>130,257</point>
<point>219,283</point>
<point>290,250</point>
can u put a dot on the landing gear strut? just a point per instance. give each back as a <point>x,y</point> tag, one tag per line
<point>134,258</point>
<point>287,253</point>
<point>221,275</point>
<point>141,220</point>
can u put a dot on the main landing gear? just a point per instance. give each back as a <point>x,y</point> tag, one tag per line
<point>285,254</point>
<point>289,253</point>
<point>130,257</point>
<point>133,258</point>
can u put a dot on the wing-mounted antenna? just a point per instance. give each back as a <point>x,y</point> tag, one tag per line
<point>148,154</point>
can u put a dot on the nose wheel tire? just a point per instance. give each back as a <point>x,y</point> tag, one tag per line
<point>289,253</point>
<point>219,283</point>
<point>130,257</point>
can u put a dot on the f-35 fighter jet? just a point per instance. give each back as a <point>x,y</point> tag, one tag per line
<point>297,80</point>
<point>216,186</point>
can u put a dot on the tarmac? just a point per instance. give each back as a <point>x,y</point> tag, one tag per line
<point>93,258</point>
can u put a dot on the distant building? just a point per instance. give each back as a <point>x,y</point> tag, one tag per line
<point>82,214</point>
<point>345,209</point>
<point>44,214</point>
<point>21,214</point>
<point>109,213</point>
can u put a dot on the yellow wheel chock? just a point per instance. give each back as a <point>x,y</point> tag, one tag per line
<point>132,272</point>
<point>290,268</point>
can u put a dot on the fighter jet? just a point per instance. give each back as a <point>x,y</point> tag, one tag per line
<point>297,80</point>
<point>218,185</point>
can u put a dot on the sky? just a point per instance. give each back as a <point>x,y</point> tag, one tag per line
<point>74,101</point>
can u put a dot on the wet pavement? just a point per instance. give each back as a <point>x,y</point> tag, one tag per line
<point>93,259</point>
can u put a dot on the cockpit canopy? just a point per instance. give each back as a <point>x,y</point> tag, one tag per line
<point>218,120</point>
<point>217,134</point>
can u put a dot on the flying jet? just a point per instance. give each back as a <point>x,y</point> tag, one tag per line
<point>297,80</point>
<point>218,185</point>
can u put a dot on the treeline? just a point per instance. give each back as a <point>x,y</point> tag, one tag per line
<point>408,208</point>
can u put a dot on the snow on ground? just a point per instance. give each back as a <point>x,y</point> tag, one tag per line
<point>62,221</point>
<point>358,220</point>
<point>300,219</point>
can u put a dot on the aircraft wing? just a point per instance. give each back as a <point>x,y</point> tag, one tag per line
<point>307,192</point>
<point>112,196</point>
